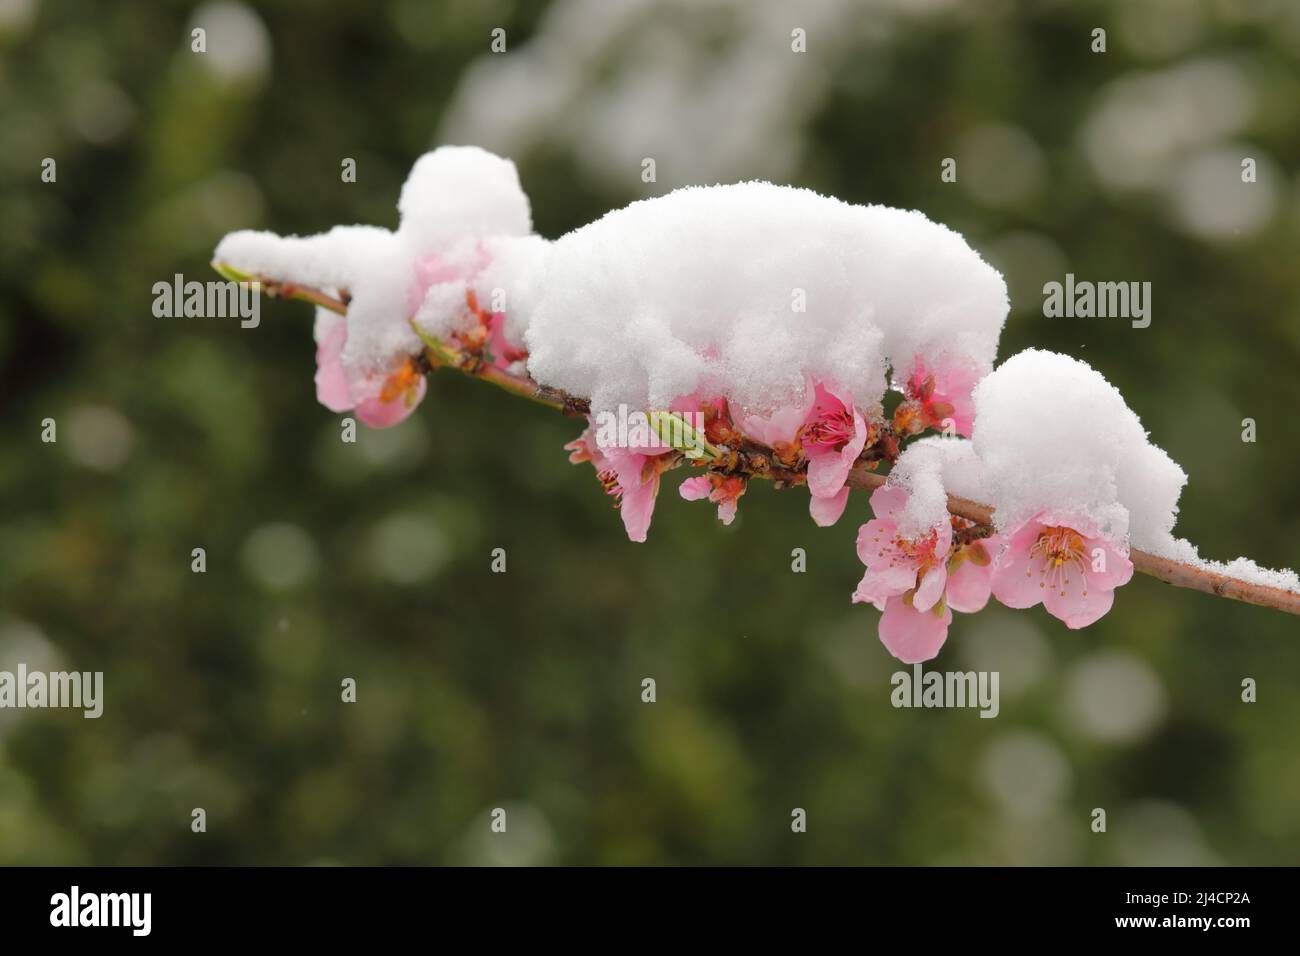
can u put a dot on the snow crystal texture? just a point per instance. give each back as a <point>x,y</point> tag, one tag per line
<point>929,470</point>
<point>751,290</point>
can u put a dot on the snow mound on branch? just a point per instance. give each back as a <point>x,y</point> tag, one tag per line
<point>1180,549</point>
<point>929,470</point>
<point>459,191</point>
<point>1053,435</point>
<point>751,290</point>
<point>367,261</point>
<point>329,260</point>
<point>461,204</point>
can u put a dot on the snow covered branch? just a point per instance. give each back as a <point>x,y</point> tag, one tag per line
<point>755,331</point>
<point>1196,578</point>
<point>761,462</point>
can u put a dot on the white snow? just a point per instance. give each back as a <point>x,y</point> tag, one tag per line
<point>513,259</point>
<point>459,191</point>
<point>324,324</point>
<point>455,199</point>
<point>368,261</point>
<point>494,268</point>
<point>750,290</point>
<point>1052,434</point>
<point>329,260</point>
<point>929,470</point>
<point>1244,569</point>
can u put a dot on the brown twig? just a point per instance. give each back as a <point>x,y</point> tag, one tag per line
<point>288,290</point>
<point>276,289</point>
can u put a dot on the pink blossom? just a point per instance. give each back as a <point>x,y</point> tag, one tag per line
<point>938,395</point>
<point>781,427</point>
<point>434,270</point>
<point>722,490</point>
<point>385,397</point>
<point>897,564</point>
<point>486,335</point>
<point>831,433</point>
<point>1063,562</point>
<point>381,399</point>
<point>396,396</point>
<point>483,330</point>
<point>919,581</point>
<point>912,635</point>
<point>631,477</point>
<point>905,578</point>
<point>332,389</point>
<point>504,352</point>
<point>631,473</point>
<point>970,567</point>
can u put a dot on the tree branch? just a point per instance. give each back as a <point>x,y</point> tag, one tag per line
<point>753,460</point>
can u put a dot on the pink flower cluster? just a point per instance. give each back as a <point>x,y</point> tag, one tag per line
<point>830,431</point>
<point>938,398</point>
<point>826,429</point>
<point>630,476</point>
<point>381,398</point>
<point>918,581</point>
<point>385,397</point>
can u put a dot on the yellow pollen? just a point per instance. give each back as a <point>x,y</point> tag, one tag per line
<point>1059,548</point>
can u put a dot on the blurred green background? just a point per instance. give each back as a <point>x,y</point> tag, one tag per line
<point>371,561</point>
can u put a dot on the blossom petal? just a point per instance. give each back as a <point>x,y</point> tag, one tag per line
<point>887,501</point>
<point>969,584</point>
<point>693,489</point>
<point>829,469</point>
<point>380,414</point>
<point>1118,568</point>
<point>943,540</point>
<point>1018,578</point>
<point>873,537</point>
<point>826,511</point>
<point>727,510</point>
<point>332,389</point>
<point>637,506</point>
<point>953,382</point>
<point>910,635</point>
<point>1077,601</point>
<point>782,424</point>
<point>867,592</point>
<point>889,580</point>
<point>931,587</point>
